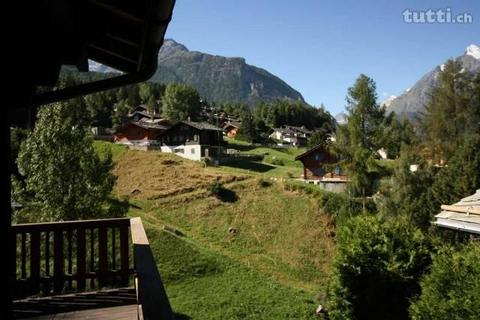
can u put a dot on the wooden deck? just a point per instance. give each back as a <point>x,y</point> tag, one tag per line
<point>118,313</point>
<point>110,304</point>
<point>57,262</point>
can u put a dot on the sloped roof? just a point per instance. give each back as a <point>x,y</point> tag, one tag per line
<point>310,151</point>
<point>144,124</point>
<point>463,215</point>
<point>204,126</point>
<point>145,114</point>
<point>300,129</point>
<point>231,124</point>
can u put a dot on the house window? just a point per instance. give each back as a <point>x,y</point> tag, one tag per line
<point>192,151</point>
<point>179,151</point>
<point>195,137</point>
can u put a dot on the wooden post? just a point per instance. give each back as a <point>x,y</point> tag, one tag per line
<point>152,299</point>
<point>6,234</point>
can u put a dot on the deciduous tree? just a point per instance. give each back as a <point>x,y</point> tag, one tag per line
<point>180,102</point>
<point>64,177</point>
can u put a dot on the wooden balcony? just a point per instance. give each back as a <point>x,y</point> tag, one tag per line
<point>72,267</point>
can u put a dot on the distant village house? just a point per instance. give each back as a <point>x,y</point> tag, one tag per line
<point>319,168</point>
<point>291,135</point>
<point>140,133</point>
<point>142,129</point>
<point>231,128</point>
<point>192,140</point>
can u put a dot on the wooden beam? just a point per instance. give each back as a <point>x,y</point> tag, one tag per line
<point>462,209</point>
<point>152,298</point>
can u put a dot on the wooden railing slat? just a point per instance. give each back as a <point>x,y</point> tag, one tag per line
<point>102,256</point>
<point>92,255</point>
<point>58,261</point>
<point>24,254</point>
<point>114,256</point>
<point>69,258</point>
<point>46,287</point>
<point>124,261</point>
<point>81,259</point>
<point>35,262</point>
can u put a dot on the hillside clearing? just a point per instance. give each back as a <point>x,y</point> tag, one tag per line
<point>266,246</point>
<point>153,175</point>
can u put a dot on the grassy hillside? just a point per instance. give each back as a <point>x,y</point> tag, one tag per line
<point>277,162</point>
<point>203,284</point>
<point>274,264</point>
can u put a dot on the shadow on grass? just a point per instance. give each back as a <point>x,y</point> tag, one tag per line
<point>226,195</point>
<point>240,147</point>
<point>181,316</point>
<point>250,165</point>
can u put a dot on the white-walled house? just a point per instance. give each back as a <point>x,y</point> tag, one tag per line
<point>295,136</point>
<point>192,140</point>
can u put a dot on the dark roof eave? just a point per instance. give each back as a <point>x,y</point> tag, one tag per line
<point>308,152</point>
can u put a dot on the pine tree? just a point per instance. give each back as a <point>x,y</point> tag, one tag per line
<point>357,142</point>
<point>447,112</point>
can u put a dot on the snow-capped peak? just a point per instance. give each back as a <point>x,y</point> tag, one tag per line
<point>474,51</point>
<point>388,101</point>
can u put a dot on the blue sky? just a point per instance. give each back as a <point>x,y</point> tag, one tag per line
<point>320,47</point>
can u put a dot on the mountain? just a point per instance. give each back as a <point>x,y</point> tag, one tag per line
<point>218,78</point>
<point>387,102</point>
<point>413,100</point>
<point>341,118</point>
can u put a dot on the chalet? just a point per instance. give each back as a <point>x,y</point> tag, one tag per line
<point>462,216</point>
<point>295,136</point>
<point>319,168</point>
<point>192,140</point>
<point>142,133</point>
<point>230,129</point>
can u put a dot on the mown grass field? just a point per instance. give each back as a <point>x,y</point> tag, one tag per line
<point>273,266</point>
<point>277,162</point>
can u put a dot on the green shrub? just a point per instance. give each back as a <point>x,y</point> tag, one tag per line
<point>340,206</point>
<point>451,290</point>
<point>377,269</point>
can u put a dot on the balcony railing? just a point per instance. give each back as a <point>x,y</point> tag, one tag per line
<point>91,255</point>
